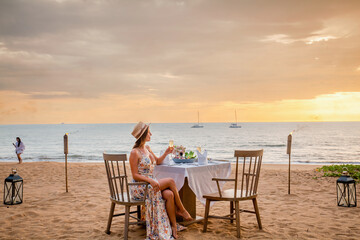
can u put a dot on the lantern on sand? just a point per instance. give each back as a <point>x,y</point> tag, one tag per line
<point>13,189</point>
<point>346,191</point>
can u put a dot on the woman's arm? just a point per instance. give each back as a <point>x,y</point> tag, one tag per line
<point>160,159</point>
<point>134,159</point>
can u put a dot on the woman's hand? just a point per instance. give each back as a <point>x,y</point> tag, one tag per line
<point>155,185</point>
<point>169,150</point>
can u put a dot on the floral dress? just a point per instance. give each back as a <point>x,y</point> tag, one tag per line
<point>157,221</point>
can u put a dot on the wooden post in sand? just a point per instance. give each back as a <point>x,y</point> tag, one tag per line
<point>66,151</point>
<point>288,151</point>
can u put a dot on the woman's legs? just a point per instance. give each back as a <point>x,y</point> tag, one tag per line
<point>168,183</point>
<point>19,157</point>
<point>168,195</point>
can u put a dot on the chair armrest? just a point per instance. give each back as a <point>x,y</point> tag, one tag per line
<point>223,179</point>
<point>138,183</point>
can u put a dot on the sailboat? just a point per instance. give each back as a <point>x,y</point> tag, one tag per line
<point>235,125</point>
<point>198,124</point>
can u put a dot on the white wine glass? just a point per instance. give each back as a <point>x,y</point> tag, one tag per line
<point>171,144</point>
<point>199,149</point>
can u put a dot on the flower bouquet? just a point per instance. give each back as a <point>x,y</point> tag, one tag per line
<point>179,152</point>
<point>181,156</point>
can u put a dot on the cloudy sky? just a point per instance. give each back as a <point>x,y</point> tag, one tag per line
<point>118,61</point>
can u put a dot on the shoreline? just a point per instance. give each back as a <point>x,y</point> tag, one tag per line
<point>232,162</point>
<point>127,162</point>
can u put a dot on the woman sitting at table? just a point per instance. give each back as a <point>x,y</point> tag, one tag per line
<point>162,195</point>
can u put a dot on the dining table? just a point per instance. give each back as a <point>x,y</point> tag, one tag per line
<point>194,180</point>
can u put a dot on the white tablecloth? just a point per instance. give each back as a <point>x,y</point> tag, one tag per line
<point>199,176</point>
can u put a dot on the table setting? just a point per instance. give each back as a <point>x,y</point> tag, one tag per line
<point>182,157</point>
<point>192,172</point>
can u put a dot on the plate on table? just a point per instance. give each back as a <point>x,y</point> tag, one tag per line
<point>179,160</point>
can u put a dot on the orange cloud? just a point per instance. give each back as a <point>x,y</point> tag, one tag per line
<point>22,109</point>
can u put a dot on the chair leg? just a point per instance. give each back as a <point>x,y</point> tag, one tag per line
<point>231,210</point>
<point>111,214</point>
<point>237,214</point>
<point>257,213</point>
<point>207,209</point>
<point>127,217</point>
<point>138,213</point>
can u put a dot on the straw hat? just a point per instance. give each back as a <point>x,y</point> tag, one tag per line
<point>139,129</point>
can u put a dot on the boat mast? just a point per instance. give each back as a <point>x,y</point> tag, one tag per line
<point>198,119</point>
<point>235,117</point>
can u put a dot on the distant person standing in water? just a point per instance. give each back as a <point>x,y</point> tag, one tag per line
<point>19,148</point>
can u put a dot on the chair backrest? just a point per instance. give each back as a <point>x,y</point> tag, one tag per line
<point>117,178</point>
<point>247,177</point>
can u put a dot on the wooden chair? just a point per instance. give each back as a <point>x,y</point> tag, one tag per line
<point>247,179</point>
<point>119,191</point>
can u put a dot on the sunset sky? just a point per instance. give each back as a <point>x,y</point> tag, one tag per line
<point>114,61</point>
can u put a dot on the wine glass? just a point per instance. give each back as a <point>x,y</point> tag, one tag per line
<point>171,144</point>
<point>199,149</point>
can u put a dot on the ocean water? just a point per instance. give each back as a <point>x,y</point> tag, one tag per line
<point>313,143</point>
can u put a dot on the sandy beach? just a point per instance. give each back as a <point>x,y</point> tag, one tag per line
<point>310,211</point>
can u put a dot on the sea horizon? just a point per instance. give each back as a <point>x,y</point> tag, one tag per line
<point>313,142</point>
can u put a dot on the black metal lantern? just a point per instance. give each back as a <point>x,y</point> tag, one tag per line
<point>346,191</point>
<point>13,189</point>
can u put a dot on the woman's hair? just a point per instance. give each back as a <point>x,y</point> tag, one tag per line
<point>141,141</point>
<point>18,141</point>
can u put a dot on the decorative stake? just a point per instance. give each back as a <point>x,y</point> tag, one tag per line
<point>288,151</point>
<point>66,151</point>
